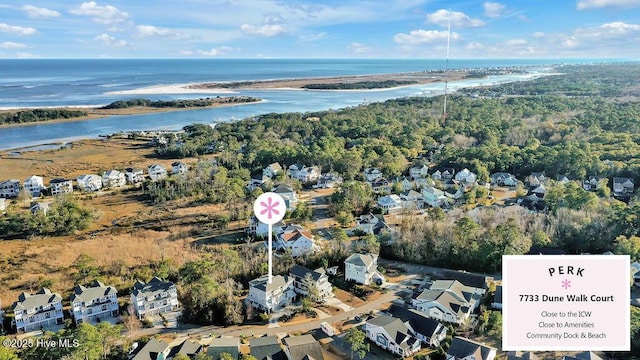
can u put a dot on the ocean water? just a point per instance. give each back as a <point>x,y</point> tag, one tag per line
<point>53,83</point>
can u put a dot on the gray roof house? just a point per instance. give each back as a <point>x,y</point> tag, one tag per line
<point>224,344</point>
<point>34,312</point>
<point>392,334</point>
<point>93,303</point>
<point>270,296</point>
<point>187,347</point>
<point>153,350</point>
<point>362,268</point>
<point>462,348</point>
<point>156,296</point>
<point>585,355</point>
<point>318,278</point>
<point>427,330</point>
<point>519,355</point>
<point>267,348</point>
<point>302,347</point>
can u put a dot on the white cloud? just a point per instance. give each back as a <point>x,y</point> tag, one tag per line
<point>516,42</point>
<point>313,37</point>
<point>185,52</point>
<point>17,30</point>
<point>101,14</point>
<point>493,9</point>
<point>150,30</point>
<point>108,40</point>
<point>222,50</point>
<point>538,35</point>
<point>594,4</point>
<point>26,55</point>
<point>359,48</point>
<point>458,19</point>
<point>266,30</point>
<point>416,37</point>
<point>474,46</point>
<point>39,13</point>
<point>12,45</point>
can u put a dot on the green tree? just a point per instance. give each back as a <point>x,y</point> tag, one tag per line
<point>344,218</point>
<point>226,356</point>
<point>356,338</point>
<point>7,353</point>
<point>181,357</point>
<point>248,357</point>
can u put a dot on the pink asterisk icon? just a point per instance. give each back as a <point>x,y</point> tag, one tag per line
<point>566,283</point>
<point>270,207</point>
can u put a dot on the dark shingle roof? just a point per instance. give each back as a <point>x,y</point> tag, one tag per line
<point>267,347</point>
<point>462,348</point>
<point>301,272</point>
<point>96,290</point>
<point>156,285</point>
<point>42,298</point>
<point>151,350</point>
<point>418,320</point>
<point>301,346</point>
<point>396,328</point>
<point>189,348</point>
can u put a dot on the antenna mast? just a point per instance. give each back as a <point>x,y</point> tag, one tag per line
<point>446,72</point>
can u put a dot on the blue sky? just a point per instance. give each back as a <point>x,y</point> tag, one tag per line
<point>319,29</point>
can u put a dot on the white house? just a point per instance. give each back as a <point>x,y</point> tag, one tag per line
<point>380,185</point>
<point>462,348</point>
<point>497,298</point>
<point>412,200</point>
<point>3,206</point>
<point>89,182</point>
<point>134,175</point>
<point>40,310</point>
<point>271,296</point>
<point>154,297</point>
<point>260,229</point>
<point>447,300</point>
<point>304,278</point>
<point>153,350</point>
<point>287,193</point>
<point>427,330</point>
<point>405,183</point>
<point>390,203</point>
<point>157,172</point>
<point>329,181</point>
<point>419,171</point>
<point>94,302</point>
<point>393,335</point>
<point>371,174</point>
<point>257,181</point>
<point>272,170</point>
<point>297,241</point>
<point>34,184</point>
<point>503,179</point>
<point>370,224</point>
<point>466,177</point>
<point>362,268</point>
<point>622,186</point>
<point>434,197</point>
<point>113,179</point>
<point>9,188</point>
<point>179,168</point>
<point>305,174</point>
<point>60,186</point>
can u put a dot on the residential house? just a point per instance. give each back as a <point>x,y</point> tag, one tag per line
<point>427,330</point>
<point>434,197</point>
<point>257,181</point>
<point>188,348</point>
<point>9,188</point>
<point>260,229</point>
<point>635,273</point>
<point>293,169</point>
<point>623,187</point>
<point>405,183</point>
<point>271,296</point>
<point>134,175</point>
<point>390,203</point>
<point>362,268</point>
<point>423,182</point>
<point>419,171</point>
<point>392,334</point>
<point>154,349</point>
<point>222,345</point>
<point>155,297</point>
<point>89,182</point>
<point>591,184</point>
<point>412,200</point>
<point>539,191</point>
<point>380,186</point>
<point>34,184</point>
<point>38,311</point>
<point>307,174</point>
<point>535,179</point>
<point>503,179</point>
<point>444,174</point>
<point>465,349</point>
<point>519,355</point>
<point>447,300</point>
<point>157,172</point>
<point>60,186</point>
<point>329,181</point>
<point>532,202</point>
<point>497,298</point>
<point>476,282</point>
<point>1,316</point>
<point>113,179</point>
<point>272,170</point>
<point>316,280</point>
<point>179,168</point>
<point>466,177</point>
<point>288,194</point>
<point>94,303</point>
<point>371,174</point>
<point>562,179</point>
<point>266,348</point>
<point>296,241</point>
<point>370,224</point>
<point>304,347</point>
<point>3,205</point>
<point>585,355</point>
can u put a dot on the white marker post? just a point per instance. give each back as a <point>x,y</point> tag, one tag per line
<point>269,208</point>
